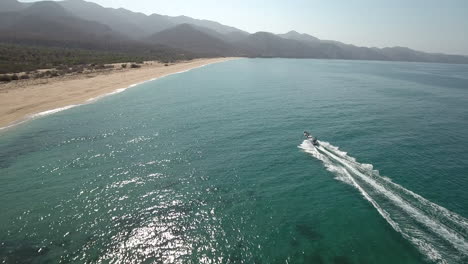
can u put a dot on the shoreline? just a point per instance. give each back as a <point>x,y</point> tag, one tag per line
<point>25,100</point>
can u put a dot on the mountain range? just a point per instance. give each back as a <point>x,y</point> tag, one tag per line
<point>81,24</point>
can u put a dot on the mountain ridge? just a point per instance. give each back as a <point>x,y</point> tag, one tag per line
<point>48,24</point>
<point>141,25</point>
<point>210,38</point>
<point>189,37</point>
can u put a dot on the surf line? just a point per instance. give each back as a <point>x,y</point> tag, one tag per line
<point>439,234</point>
<point>94,99</point>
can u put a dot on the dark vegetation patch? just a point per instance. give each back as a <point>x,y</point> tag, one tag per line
<point>5,78</point>
<point>15,58</point>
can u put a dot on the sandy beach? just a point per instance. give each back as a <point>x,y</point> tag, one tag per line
<point>22,99</point>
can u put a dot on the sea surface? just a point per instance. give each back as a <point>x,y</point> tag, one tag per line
<point>210,166</point>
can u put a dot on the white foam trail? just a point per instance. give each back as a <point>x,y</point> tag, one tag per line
<point>452,237</point>
<point>438,233</point>
<point>428,206</point>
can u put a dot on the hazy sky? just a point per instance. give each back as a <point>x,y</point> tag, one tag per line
<point>427,25</point>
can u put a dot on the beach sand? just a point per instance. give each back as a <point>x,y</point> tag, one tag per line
<point>22,99</point>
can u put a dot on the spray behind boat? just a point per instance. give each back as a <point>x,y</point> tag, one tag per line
<point>311,138</point>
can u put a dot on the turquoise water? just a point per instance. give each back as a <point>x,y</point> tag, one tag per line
<point>209,166</point>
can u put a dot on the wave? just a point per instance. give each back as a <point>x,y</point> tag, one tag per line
<point>108,94</point>
<point>53,111</point>
<point>36,115</point>
<point>438,233</point>
<point>94,99</point>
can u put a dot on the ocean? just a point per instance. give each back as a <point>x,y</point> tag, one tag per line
<point>210,166</point>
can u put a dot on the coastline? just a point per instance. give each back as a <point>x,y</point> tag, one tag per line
<point>25,100</point>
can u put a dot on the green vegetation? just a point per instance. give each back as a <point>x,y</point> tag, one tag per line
<point>5,78</point>
<point>20,58</point>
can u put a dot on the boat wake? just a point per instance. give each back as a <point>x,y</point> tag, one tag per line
<point>438,233</point>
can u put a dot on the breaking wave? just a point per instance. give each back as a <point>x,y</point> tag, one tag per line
<point>438,233</point>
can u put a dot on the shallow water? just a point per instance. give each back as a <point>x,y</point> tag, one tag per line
<point>208,166</point>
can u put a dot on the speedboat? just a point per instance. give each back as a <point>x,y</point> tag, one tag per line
<point>311,138</point>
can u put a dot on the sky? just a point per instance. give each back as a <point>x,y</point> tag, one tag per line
<point>426,25</point>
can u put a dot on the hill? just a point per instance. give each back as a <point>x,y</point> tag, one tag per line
<point>81,24</point>
<point>264,44</point>
<point>190,38</point>
<point>49,24</point>
<point>45,34</point>
<point>300,37</point>
<point>133,24</point>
